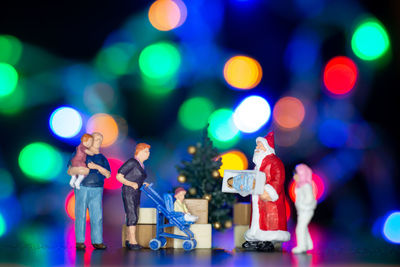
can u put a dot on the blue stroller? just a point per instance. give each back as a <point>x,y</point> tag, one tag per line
<point>165,209</point>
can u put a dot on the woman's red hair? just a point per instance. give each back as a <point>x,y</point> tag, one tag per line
<point>140,147</point>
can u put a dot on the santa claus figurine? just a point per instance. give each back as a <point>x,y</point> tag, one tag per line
<point>268,211</point>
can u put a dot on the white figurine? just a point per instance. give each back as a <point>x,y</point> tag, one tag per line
<point>305,206</point>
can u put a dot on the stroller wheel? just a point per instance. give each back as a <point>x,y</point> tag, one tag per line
<point>194,242</point>
<point>188,245</point>
<point>155,244</point>
<point>163,240</point>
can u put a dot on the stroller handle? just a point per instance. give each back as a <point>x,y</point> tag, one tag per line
<point>144,186</point>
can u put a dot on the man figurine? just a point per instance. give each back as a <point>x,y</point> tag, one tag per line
<point>90,196</point>
<point>268,219</point>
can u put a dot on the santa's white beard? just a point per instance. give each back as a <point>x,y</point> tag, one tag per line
<point>258,157</point>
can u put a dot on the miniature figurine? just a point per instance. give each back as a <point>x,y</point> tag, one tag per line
<point>90,196</point>
<point>180,206</point>
<point>305,206</point>
<point>268,219</point>
<point>132,176</point>
<point>79,168</point>
<point>243,182</point>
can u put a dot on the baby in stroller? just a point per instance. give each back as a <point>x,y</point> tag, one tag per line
<point>180,206</point>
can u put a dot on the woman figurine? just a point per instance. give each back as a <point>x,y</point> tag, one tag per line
<point>305,206</point>
<point>132,176</point>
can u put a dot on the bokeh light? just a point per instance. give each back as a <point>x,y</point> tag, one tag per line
<point>7,184</point>
<point>370,40</point>
<point>333,133</point>
<point>289,112</point>
<point>318,188</point>
<point>160,61</point>
<point>194,112</point>
<point>8,79</point>
<point>70,206</point>
<point>166,15</point>
<point>112,182</point>
<point>116,59</point>
<point>158,87</point>
<point>65,122</point>
<point>10,49</point>
<point>251,114</point>
<point>233,160</point>
<point>10,210</point>
<point>391,227</point>
<point>242,72</point>
<point>104,124</point>
<point>14,102</point>
<point>99,97</point>
<point>340,75</point>
<point>302,52</point>
<point>3,226</point>
<point>222,128</point>
<point>40,161</point>
<point>287,138</point>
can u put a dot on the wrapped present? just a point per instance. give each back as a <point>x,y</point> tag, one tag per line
<point>199,208</point>
<point>147,216</point>
<point>241,213</point>
<point>144,238</point>
<point>239,231</point>
<point>202,234</point>
<point>144,233</point>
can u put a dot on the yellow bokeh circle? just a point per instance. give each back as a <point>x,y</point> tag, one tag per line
<point>233,160</point>
<point>242,72</point>
<point>104,124</point>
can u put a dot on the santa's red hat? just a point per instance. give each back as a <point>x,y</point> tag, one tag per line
<point>268,141</point>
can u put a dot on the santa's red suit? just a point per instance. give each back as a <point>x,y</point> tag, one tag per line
<point>268,218</point>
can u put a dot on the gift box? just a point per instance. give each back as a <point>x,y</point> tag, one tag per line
<point>241,213</point>
<point>199,208</point>
<point>202,234</point>
<point>239,231</point>
<point>147,216</point>
<point>144,233</point>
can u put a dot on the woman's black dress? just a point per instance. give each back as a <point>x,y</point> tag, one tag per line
<point>132,171</point>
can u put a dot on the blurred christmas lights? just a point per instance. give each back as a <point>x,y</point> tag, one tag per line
<point>40,161</point>
<point>251,114</point>
<point>194,112</point>
<point>289,112</point>
<point>8,79</point>
<point>370,40</point>
<point>242,72</point>
<point>166,15</point>
<point>340,75</point>
<point>104,124</point>
<point>222,129</point>
<point>233,160</point>
<point>65,122</point>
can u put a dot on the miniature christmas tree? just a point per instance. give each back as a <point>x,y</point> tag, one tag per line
<point>205,181</point>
